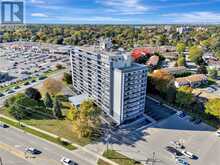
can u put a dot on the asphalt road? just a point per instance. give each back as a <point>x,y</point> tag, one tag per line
<point>13,143</point>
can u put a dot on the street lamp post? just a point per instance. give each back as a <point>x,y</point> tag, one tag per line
<point>107,140</point>
<point>1,163</point>
<point>153,161</point>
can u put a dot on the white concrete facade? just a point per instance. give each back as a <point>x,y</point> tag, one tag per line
<point>117,85</point>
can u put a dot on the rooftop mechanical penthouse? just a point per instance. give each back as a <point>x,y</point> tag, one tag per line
<point>112,79</point>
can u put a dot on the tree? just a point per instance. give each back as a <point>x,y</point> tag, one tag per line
<point>57,109</point>
<point>86,120</point>
<point>59,66</point>
<point>180,47</point>
<point>14,108</point>
<point>217,54</point>
<point>161,81</point>
<point>184,96</point>
<point>195,54</point>
<point>181,61</point>
<point>213,73</point>
<point>202,69</point>
<point>72,113</point>
<point>17,112</point>
<point>11,100</point>
<point>48,100</point>
<point>52,86</point>
<point>67,78</point>
<point>205,43</point>
<point>33,93</point>
<point>212,107</point>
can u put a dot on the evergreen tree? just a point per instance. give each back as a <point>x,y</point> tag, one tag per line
<point>57,109</point>
<point>202,69</point>
<point>33,93</point>
<point>48,101</point>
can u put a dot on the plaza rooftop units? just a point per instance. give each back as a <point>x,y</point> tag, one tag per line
<point>112,79</point>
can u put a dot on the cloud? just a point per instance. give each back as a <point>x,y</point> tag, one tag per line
<point>38,2</point>
<point>126,7</point>
<point>91,19</point>
<point>194,17</point>
<point>39,15</point>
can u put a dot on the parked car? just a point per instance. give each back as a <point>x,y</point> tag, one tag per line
<point>173,151</point>
<point>3,125</point>
<point>42,77</point>
<point>188,154</point>
<point>33,151</point>
<point>27,83</point>
<point>218,133</point>
<point>210,90</point>
<point>177,144</point>
<point>66,161</point>
<point>181,114</point>
<point>197,121</point>
<point>181,161</point>
<point>10,91</point>
<point>16,87</point>
<point>33,81</point>
<point>1,95</point>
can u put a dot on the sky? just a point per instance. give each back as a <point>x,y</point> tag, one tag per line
<point>123,11</point>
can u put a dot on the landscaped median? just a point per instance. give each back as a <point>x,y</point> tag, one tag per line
<point>37,132</point>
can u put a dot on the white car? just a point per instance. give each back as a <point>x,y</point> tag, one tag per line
<point>66,161</point>
<point>188,154</point>
<point>218,133</point>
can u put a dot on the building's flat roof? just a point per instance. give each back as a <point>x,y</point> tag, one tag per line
<point>95,49</point>
<point>133,67</point>
<point>77,100</point>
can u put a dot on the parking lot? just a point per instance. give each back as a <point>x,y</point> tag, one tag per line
<point>26,63</point>
<point>199,139</point>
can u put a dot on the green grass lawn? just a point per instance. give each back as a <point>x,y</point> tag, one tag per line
<point>61,128</point>
<point>118,158</point>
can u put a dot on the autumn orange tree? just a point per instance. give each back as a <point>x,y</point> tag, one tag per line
<point>52,86</point>
<point>162,82</point>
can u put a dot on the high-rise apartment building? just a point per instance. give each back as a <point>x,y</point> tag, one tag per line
<point>117,84</point>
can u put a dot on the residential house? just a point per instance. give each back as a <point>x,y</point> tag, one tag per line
<point>193,81</point>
